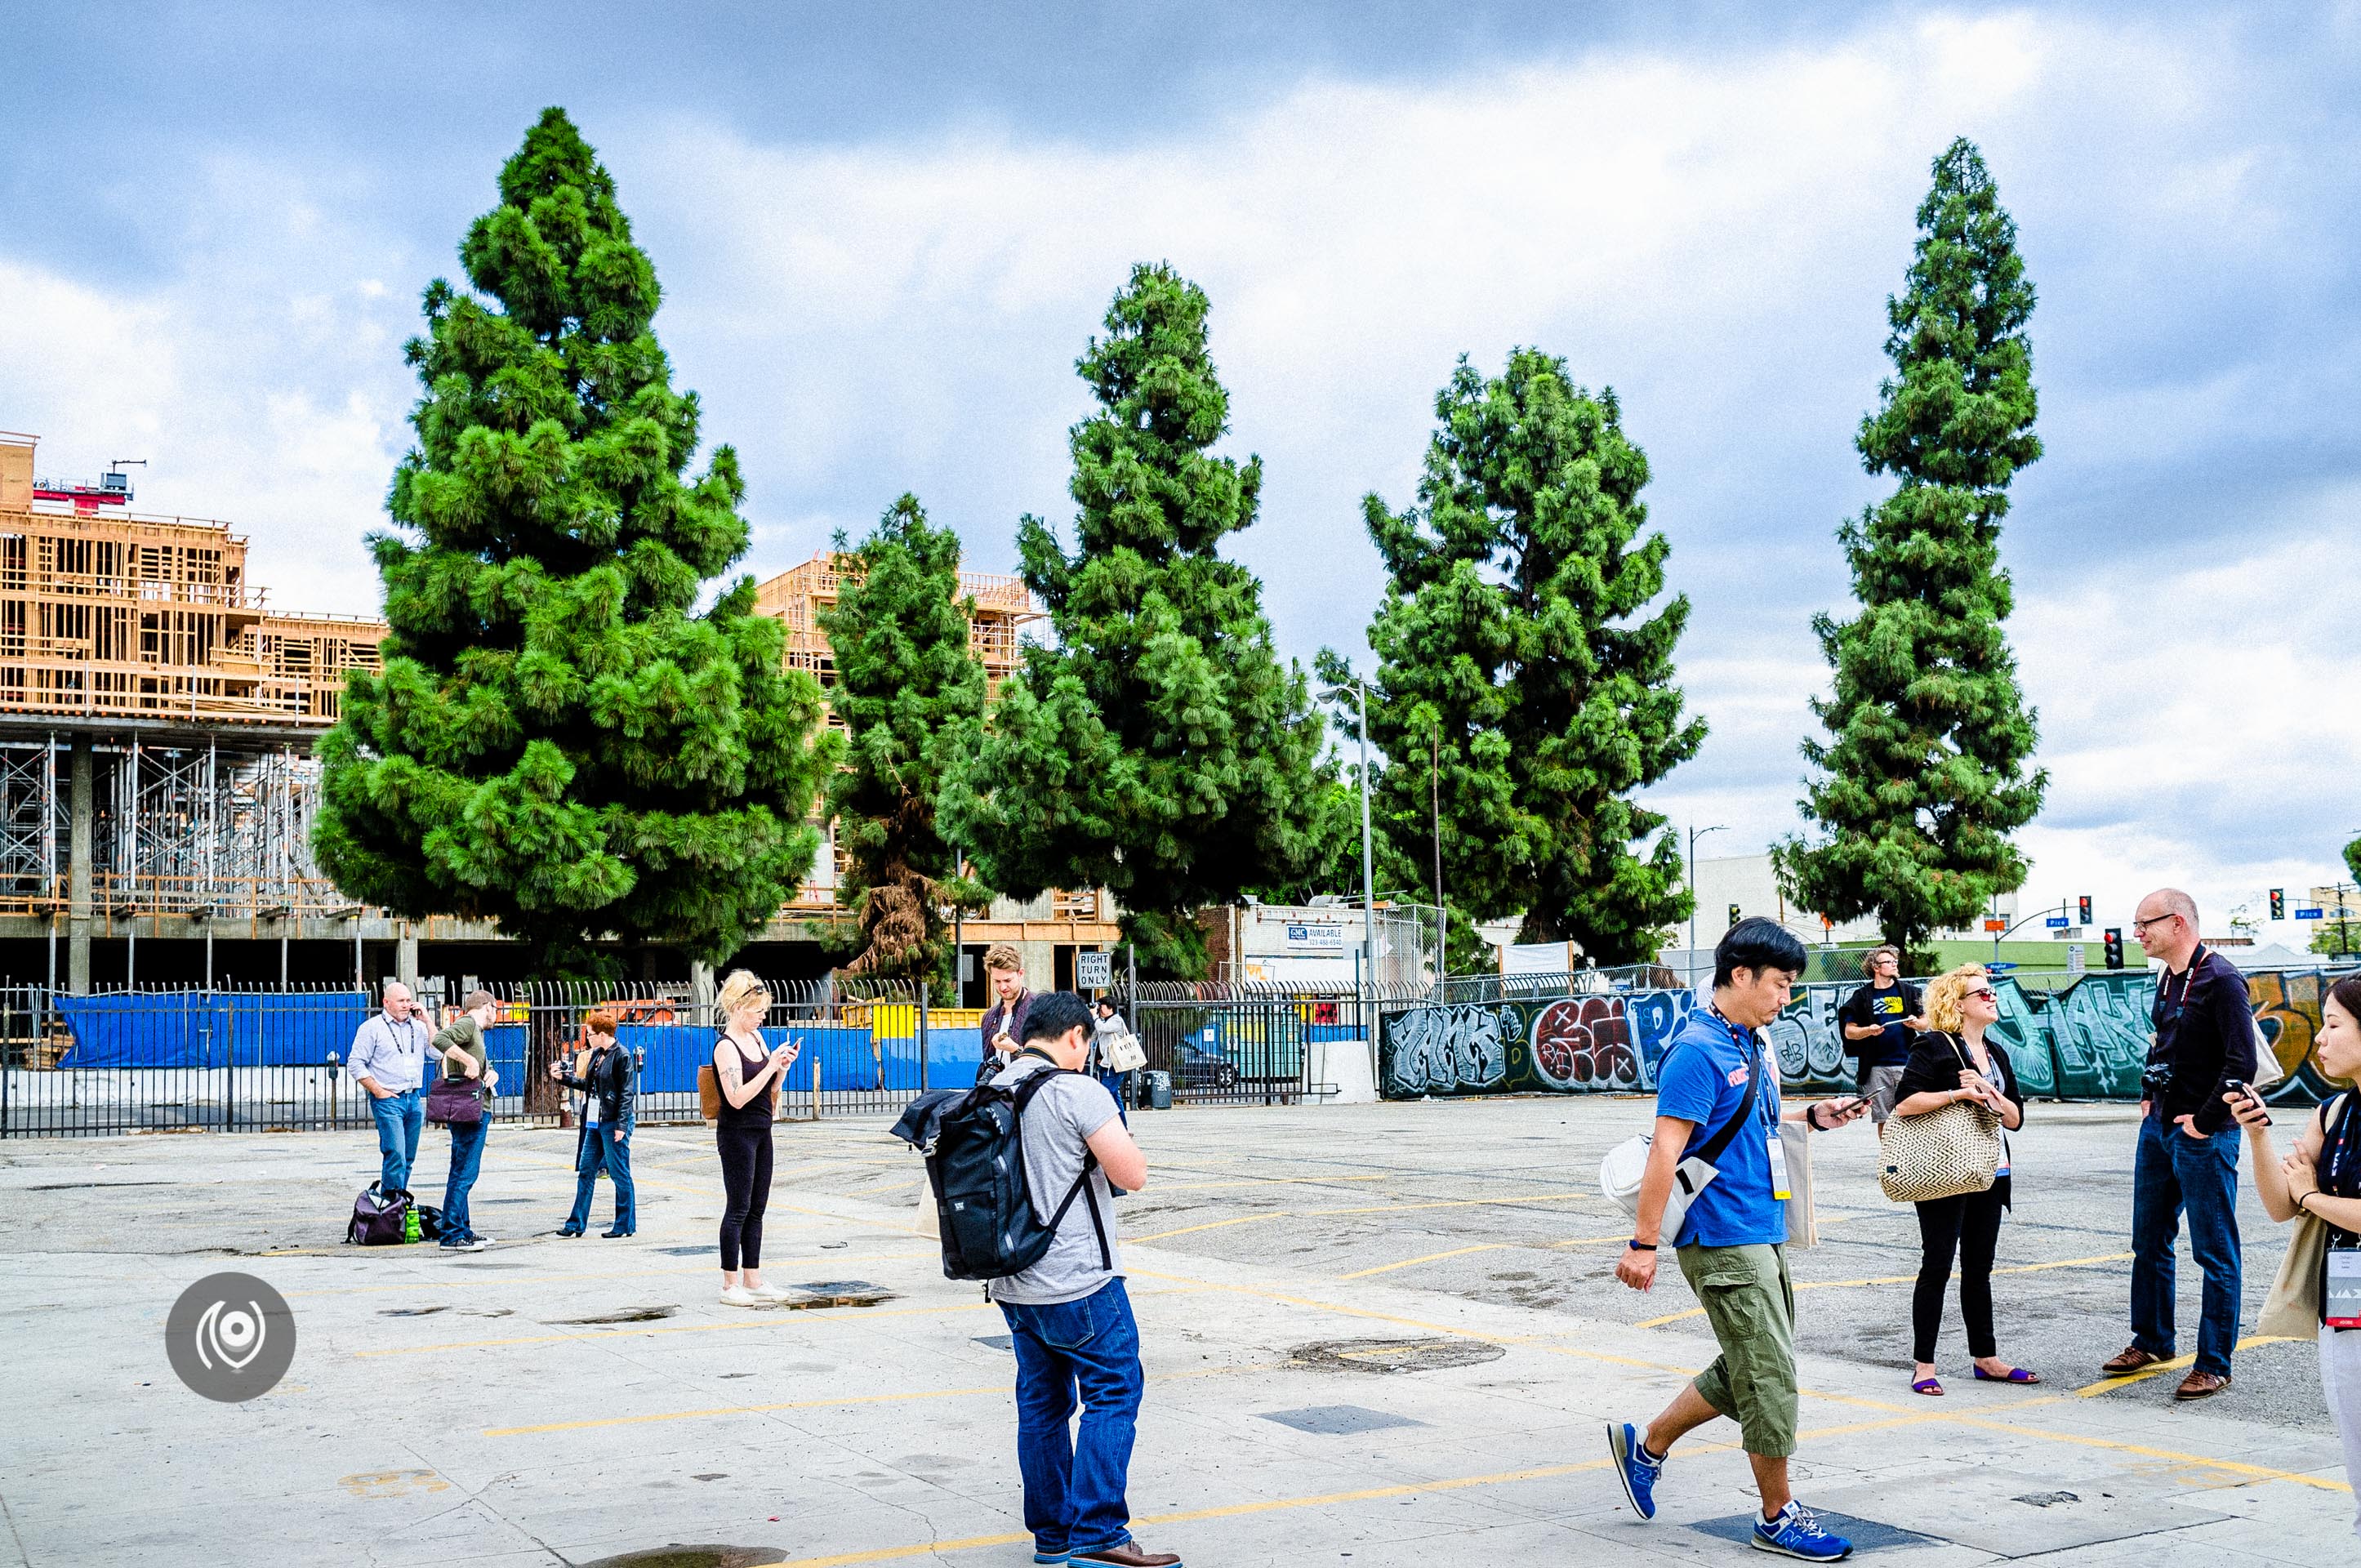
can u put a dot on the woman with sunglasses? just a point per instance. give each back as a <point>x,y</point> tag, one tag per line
<point>1950,1062</point>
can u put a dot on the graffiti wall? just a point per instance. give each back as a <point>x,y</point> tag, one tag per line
<point>2084,1041</point>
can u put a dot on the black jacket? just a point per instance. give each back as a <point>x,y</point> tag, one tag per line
<point>1934,1066</point>
<point>2205,1032</point>
<point>612,1076</point>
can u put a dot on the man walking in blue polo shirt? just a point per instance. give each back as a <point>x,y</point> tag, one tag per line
<point>1719,1084</point>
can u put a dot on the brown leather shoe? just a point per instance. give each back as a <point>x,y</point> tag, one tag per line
<point>2200,1385</point>
<point>2133,1359</point>
<point>1129,1555</point>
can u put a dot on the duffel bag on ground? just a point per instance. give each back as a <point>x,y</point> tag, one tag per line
<point>380,1218</point>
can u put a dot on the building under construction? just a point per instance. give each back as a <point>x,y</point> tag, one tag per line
<point>157,785</point>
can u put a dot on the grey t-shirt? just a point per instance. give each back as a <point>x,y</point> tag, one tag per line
<point>1057,1120</point>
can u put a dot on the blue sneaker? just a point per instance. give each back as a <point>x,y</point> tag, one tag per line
<point>1633,1467</point>
<point>1051,1557</point>
<point>1797,1534</point>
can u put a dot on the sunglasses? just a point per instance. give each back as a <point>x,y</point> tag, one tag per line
<point>1984,993</point>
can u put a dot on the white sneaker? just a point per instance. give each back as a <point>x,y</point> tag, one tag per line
<point>767,1291</point>
<point>738,1296</point>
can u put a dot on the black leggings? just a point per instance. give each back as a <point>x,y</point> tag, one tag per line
<point>746,1186</point>
<point>1971,1224</point>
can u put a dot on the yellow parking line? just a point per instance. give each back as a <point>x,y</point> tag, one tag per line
<point>1212,1225</point>
<point>1897,1279</point>
<point>1429,1257</point>
<point>2175,1365</point>
<point>842,1399</point>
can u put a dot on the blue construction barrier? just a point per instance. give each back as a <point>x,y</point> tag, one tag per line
<point>211,1028</point>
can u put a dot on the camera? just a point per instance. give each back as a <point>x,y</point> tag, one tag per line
<point>2155,1080</point>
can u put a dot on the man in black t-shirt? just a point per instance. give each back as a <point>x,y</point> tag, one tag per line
<point>1878,1021</point>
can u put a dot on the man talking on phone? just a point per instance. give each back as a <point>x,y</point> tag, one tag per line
<point>1717,1074</point>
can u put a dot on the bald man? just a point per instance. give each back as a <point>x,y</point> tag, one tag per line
<point>2188,1156</point>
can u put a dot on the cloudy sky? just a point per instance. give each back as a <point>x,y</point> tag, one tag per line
<point>885,231</point>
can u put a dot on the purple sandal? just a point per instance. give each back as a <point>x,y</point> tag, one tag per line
<point>2014,1375</point>
<point>1932,1387</point>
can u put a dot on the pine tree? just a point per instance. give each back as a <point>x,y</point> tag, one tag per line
<point>1161,748</point>
<point>1925,773</point>
<point>910,693</point>
<point>557,741</point>
<point>1523,691</point>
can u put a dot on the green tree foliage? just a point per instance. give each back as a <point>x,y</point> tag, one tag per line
<point>910,693</point>
<point>557,741</point>
<point>1925,773</point>
<point>2353,859</point>
<point>1521,683</point>
<point>1162,748</point>
<point>1334,863</point>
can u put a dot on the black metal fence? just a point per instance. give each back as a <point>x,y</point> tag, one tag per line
<point>158,1060</point>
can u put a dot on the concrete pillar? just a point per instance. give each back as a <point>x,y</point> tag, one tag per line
<point>701,988</point>
<point>405,957</point>
<point>83,811</point>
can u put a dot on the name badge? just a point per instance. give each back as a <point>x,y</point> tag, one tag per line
<point>1778,1153</point>
<point>2340,1294</point>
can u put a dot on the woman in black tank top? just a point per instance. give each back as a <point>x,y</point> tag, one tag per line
<point>750,1075</point>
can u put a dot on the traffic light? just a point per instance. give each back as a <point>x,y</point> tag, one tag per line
<point>1733,915</point>
<point>2114,947</point>
<point>2279,904</point>
<point>2084,910</point>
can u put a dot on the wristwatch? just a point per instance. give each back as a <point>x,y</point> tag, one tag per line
<point>1636,1244</point>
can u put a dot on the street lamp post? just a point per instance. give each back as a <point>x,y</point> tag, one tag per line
<point>1695,833</point>
<point>1369,857</point>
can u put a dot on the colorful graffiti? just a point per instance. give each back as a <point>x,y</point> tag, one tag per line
<point>2087,1040</point>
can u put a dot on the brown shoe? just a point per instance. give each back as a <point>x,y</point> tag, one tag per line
<point>2200,1385</point>
<point>2132,1360</point>
<point>1128,1555</point>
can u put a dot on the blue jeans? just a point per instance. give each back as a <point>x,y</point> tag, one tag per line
<point>466,1157</point>
<point>2173,1172</point>
<point>1074,1485</point>
<point>1116,1083</point>
<point>399,1119</point>
<point>604,1147</point>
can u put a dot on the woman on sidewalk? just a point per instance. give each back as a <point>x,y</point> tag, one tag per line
<point>2322,1178</point>
<point>609,1079</point>
<point>748,1077</point>
<point>1953,1061</point>
<point>465,1055</point>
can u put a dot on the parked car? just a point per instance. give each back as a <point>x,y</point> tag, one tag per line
<point>1196,1067</point>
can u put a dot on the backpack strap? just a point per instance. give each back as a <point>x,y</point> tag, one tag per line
<point>1715,1145</point>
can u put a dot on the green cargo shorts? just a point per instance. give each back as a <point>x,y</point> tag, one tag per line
<point>1750,1303</point>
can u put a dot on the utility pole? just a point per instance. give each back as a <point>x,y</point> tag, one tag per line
<point>1442,914</point>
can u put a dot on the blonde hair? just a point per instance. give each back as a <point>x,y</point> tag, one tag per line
<point>739,989</point>
<point>1943,997</point>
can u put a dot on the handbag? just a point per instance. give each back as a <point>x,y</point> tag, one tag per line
<point>1121,1051</point>
<point>1941,1153</point>
<point>710,1102</point>
<point>455,1101</point>
<point>1619,1173</point>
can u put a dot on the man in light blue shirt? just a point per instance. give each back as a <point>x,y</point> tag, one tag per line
<point>391,1051</point>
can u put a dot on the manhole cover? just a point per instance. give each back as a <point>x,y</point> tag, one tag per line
<point>996,1342</point>
<point>689,1251</point>
<point>1338,1421</point>
<point>1866,1535</point>
<point>1396,1354</point>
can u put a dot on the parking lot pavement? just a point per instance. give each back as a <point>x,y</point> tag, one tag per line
<point>1372,1333</point>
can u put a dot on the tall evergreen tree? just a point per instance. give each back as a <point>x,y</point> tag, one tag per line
<point>557,741</point>
<point>1162,748</point>
<point>1523,691</point>
<point>910,692</point>
<point>1925,773</point>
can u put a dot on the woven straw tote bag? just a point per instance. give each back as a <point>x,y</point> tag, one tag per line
<point>1939,1154</point>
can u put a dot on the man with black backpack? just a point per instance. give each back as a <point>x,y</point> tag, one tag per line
<point>1070,1320</point>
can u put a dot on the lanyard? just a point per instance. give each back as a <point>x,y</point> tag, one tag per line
<point>1752,1050</point>
<point>2197,955</point>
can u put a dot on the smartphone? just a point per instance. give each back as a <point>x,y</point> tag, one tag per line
<point>2240,1086</point>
